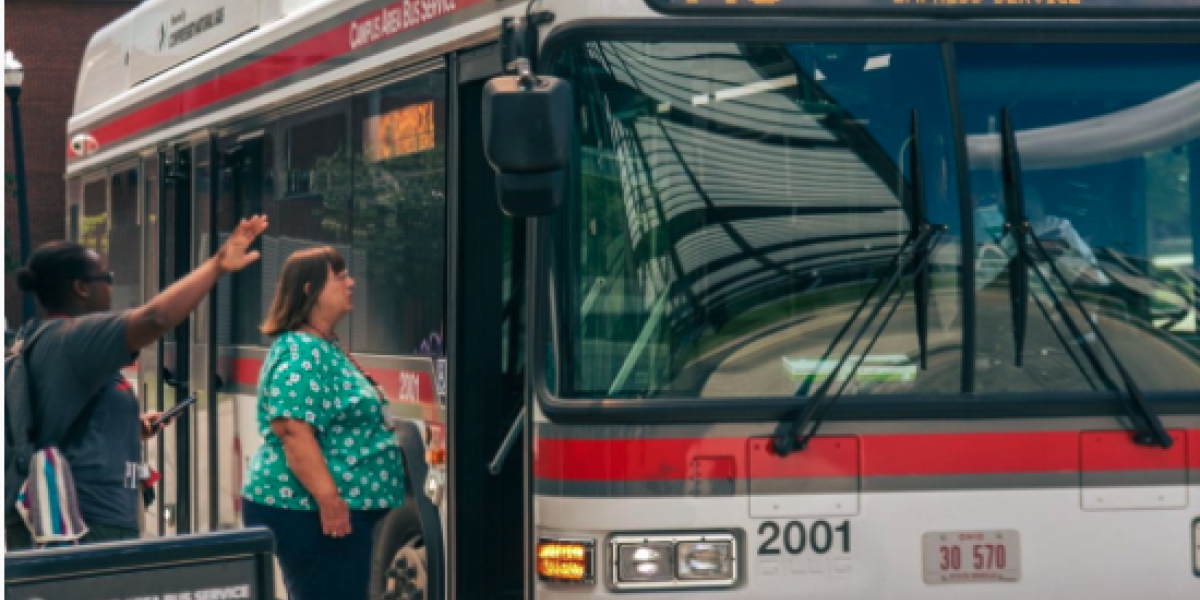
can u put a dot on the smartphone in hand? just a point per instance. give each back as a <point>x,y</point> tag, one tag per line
<point>173,412</point>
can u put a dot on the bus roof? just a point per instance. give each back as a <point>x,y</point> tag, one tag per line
<point>164,48</point>
<point>160,34</point>
<point>172,67</point>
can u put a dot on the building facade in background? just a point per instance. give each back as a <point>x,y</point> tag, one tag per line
<point>48,37</point>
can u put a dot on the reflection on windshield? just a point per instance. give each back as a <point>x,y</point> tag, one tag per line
<point>736,203</point>
<point>1109,138</point>
<point>1163,122</point>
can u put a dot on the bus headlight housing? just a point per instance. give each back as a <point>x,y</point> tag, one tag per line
<point>701,561</point>
<point>645,562</point>
<point>1196,544</point>
<point>674,561</point>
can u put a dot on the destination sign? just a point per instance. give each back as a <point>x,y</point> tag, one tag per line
<point>1122,6</point>
<point>401,132</point>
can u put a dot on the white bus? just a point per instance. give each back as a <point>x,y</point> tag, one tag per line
<point>833,299</point>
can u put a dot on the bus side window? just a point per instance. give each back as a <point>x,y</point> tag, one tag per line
<point>398,156</point>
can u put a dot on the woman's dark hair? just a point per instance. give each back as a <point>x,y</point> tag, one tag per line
<point>51,270</point>
<point>292,304</point>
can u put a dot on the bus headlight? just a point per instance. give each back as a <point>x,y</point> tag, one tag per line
<point>705,560</point>
<point>667,561</point>
<point>645,562</point>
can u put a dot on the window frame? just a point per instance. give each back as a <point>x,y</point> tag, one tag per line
<point>363,92</point>
<point>273,124</point>
<point>132,164</point>
<point>99,175</point>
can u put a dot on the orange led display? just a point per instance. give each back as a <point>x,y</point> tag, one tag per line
<point>401,132</point>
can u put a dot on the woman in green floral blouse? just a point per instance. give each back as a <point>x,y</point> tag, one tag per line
<point>329,468</point>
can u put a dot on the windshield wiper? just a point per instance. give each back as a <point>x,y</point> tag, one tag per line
<point>1014,218</point>
<point>1148,427</point>
<point>918,217</point>
<point>1019,292</point>
<point>794,434</point>
<point>917,248</point>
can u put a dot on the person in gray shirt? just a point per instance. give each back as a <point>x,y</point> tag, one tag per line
<point>81,401</point>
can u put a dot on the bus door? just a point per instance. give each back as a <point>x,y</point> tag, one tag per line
<point>243,158</point>
<point>486,509</point>
<point>150,383</point>
<point>169,243</point>
<point>208,419</point>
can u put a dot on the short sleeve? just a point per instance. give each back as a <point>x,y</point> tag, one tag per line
<point>95,347</point>
<point>297,386</point>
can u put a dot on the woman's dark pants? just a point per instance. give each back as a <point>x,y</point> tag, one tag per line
<point>316,566</point>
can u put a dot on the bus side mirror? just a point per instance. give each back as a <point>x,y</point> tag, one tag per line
<point>526,138</point>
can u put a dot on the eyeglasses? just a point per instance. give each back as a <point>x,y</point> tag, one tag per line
<point>107,277</point>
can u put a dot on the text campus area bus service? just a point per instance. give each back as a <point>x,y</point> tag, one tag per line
<point>761,299</point>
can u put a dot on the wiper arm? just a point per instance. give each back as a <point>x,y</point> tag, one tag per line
<point>1014,208</point>
<point>917,218</point>
<point>794,434</point>
<point>1017,226</point>
<point>837,339</point>
<point>916,248</point>
<point>1148,427</point>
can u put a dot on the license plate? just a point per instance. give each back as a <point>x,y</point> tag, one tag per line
<point>971,556</point>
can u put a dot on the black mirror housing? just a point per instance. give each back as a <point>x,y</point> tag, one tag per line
<point>530,194</point>
<point>527,132</point>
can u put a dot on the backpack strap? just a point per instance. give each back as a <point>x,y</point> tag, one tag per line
<point>24,346</point>
<point>19,426</point>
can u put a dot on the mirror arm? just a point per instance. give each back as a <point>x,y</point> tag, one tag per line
<point>525,74</point>
<point>514,432</point>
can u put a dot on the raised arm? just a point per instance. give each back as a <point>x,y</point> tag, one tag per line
<point>148,323</point>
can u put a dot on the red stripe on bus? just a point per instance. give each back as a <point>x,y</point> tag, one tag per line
<point>289,61</point>
<point>400,385</point>
<point>628,459</point>
<point>1111,451</point>
<point>246,371</point>
<point>1193,449</point>
<point>975,453</point>
<point>835,456</point>
<point>881,456</point>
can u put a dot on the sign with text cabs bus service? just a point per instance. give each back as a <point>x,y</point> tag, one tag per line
<point>899,7</point>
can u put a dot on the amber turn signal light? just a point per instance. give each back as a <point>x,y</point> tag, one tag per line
<point>436,457</point>
<point>565,561</point>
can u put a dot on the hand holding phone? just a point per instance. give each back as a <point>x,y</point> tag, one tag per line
<point>173,412</point>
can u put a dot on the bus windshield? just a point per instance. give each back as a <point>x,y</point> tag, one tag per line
<point>734,202</point>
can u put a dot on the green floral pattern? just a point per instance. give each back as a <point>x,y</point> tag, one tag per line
<point>310,379</point>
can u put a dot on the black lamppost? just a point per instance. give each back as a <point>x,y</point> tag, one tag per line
<point>14,76</point>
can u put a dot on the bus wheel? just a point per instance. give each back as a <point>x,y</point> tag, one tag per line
<point>398,563</point>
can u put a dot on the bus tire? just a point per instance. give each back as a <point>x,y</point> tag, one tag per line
<point>399,565</point>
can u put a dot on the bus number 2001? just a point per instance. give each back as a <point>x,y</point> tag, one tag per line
<point>796,537</point>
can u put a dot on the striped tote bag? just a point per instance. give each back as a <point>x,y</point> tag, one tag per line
<point>48,503</point>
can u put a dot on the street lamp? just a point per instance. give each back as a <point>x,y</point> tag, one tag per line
<point>14,76</point>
